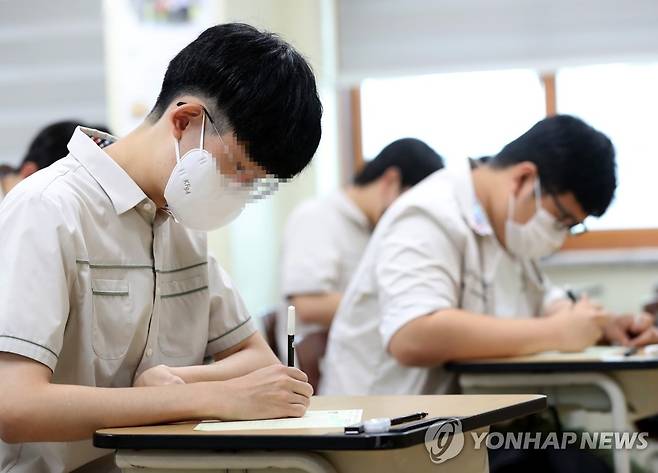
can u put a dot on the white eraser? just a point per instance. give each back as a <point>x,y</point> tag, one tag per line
<point>377,426</point>
<point>291,320</point>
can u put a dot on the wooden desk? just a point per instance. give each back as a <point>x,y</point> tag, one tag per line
<point>179,448</point>
<point>596,379</point>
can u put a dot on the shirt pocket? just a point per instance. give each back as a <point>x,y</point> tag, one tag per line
<point>184,316</point>
<point>113,324</point>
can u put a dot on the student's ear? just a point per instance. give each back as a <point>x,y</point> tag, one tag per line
<point>523,179</point>
<point>391,186</point>
<point>393,179</point>
<point>181,116</point>
<point>27,169</point>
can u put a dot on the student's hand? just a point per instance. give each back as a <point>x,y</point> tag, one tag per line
<point>624,329</point>
<point>644,330</point>
<point>271,392</point>
<point>556,306</point>
<point>160,375</point>
<point>581,325</point>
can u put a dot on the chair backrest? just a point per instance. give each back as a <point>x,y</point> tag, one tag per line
<point>310,351</point>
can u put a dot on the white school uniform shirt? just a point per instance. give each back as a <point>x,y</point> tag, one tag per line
<point>323,242</point>
<point>99,286</point>
<point>433,249</point>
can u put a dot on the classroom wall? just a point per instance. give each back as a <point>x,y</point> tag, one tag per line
<point>385,38</point>
<point>51,57</point>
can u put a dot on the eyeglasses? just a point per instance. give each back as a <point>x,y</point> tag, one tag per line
<point>259,186</point>
<point>574,229</point>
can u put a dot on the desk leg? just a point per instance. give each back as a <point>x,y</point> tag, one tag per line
<point>621,458</point>
<point>188,462</point>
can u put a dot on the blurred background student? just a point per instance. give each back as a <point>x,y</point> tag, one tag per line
<point>46,147</point>
<point>451,273</point>
<point>325,238</point>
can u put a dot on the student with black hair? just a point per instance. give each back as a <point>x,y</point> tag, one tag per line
<point>451,271</point>
<point>325,237</point>
<point>46,147</point>
<point>110,303</point>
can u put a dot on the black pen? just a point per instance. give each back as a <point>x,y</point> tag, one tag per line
<point>409,418</point>
<point>383,424</point>
<point>630,351</point>
<point>291,335</point>
<point>572,296</point>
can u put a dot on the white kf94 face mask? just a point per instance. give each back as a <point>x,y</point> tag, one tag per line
<point>198,196</point>
<point>541,236</point>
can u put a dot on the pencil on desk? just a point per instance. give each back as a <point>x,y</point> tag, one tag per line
<point>291,335</point>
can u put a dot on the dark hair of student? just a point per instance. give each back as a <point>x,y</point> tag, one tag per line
<point>258,86</point>
<point>50,144</point>
<point>413,158</point>
<point>570,156</point>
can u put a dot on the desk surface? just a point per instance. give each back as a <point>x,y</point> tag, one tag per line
<point>594,359</point>
<point>474,411</point>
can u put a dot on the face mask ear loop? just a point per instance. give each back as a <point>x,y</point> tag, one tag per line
<point>177,148</point>
<point>203,130</point>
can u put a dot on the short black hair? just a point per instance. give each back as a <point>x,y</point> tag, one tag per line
<point>570,156</point>
<point>413,158</point>
<point>259,85</point>
<point>50,143</point>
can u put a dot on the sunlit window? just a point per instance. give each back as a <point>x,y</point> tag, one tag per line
<point>622,101</point>
<point>459,114</point>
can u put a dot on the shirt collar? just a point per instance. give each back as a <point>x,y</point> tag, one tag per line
<point>469,206</point>
<point>351,210</point>
<point>117,184</point>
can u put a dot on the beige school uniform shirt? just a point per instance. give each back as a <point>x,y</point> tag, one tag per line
<point>98,286</point>
<point>433,249</point>
<point>323,242</point>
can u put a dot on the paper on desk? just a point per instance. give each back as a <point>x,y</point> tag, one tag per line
<point>311,420</point>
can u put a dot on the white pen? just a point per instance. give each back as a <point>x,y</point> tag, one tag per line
<point>291,335</point>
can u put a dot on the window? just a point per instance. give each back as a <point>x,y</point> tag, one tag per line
<point>621,100</point>
<point>458,114</point>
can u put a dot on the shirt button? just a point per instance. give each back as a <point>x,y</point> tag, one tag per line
<point>149,352</point>
<point>147,206</point>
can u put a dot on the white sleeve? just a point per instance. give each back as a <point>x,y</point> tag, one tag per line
<point>230,322</point>
<point>418,271</point>
<point>552,293</point>
<point>311,258</point>
<point>37,271</point>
